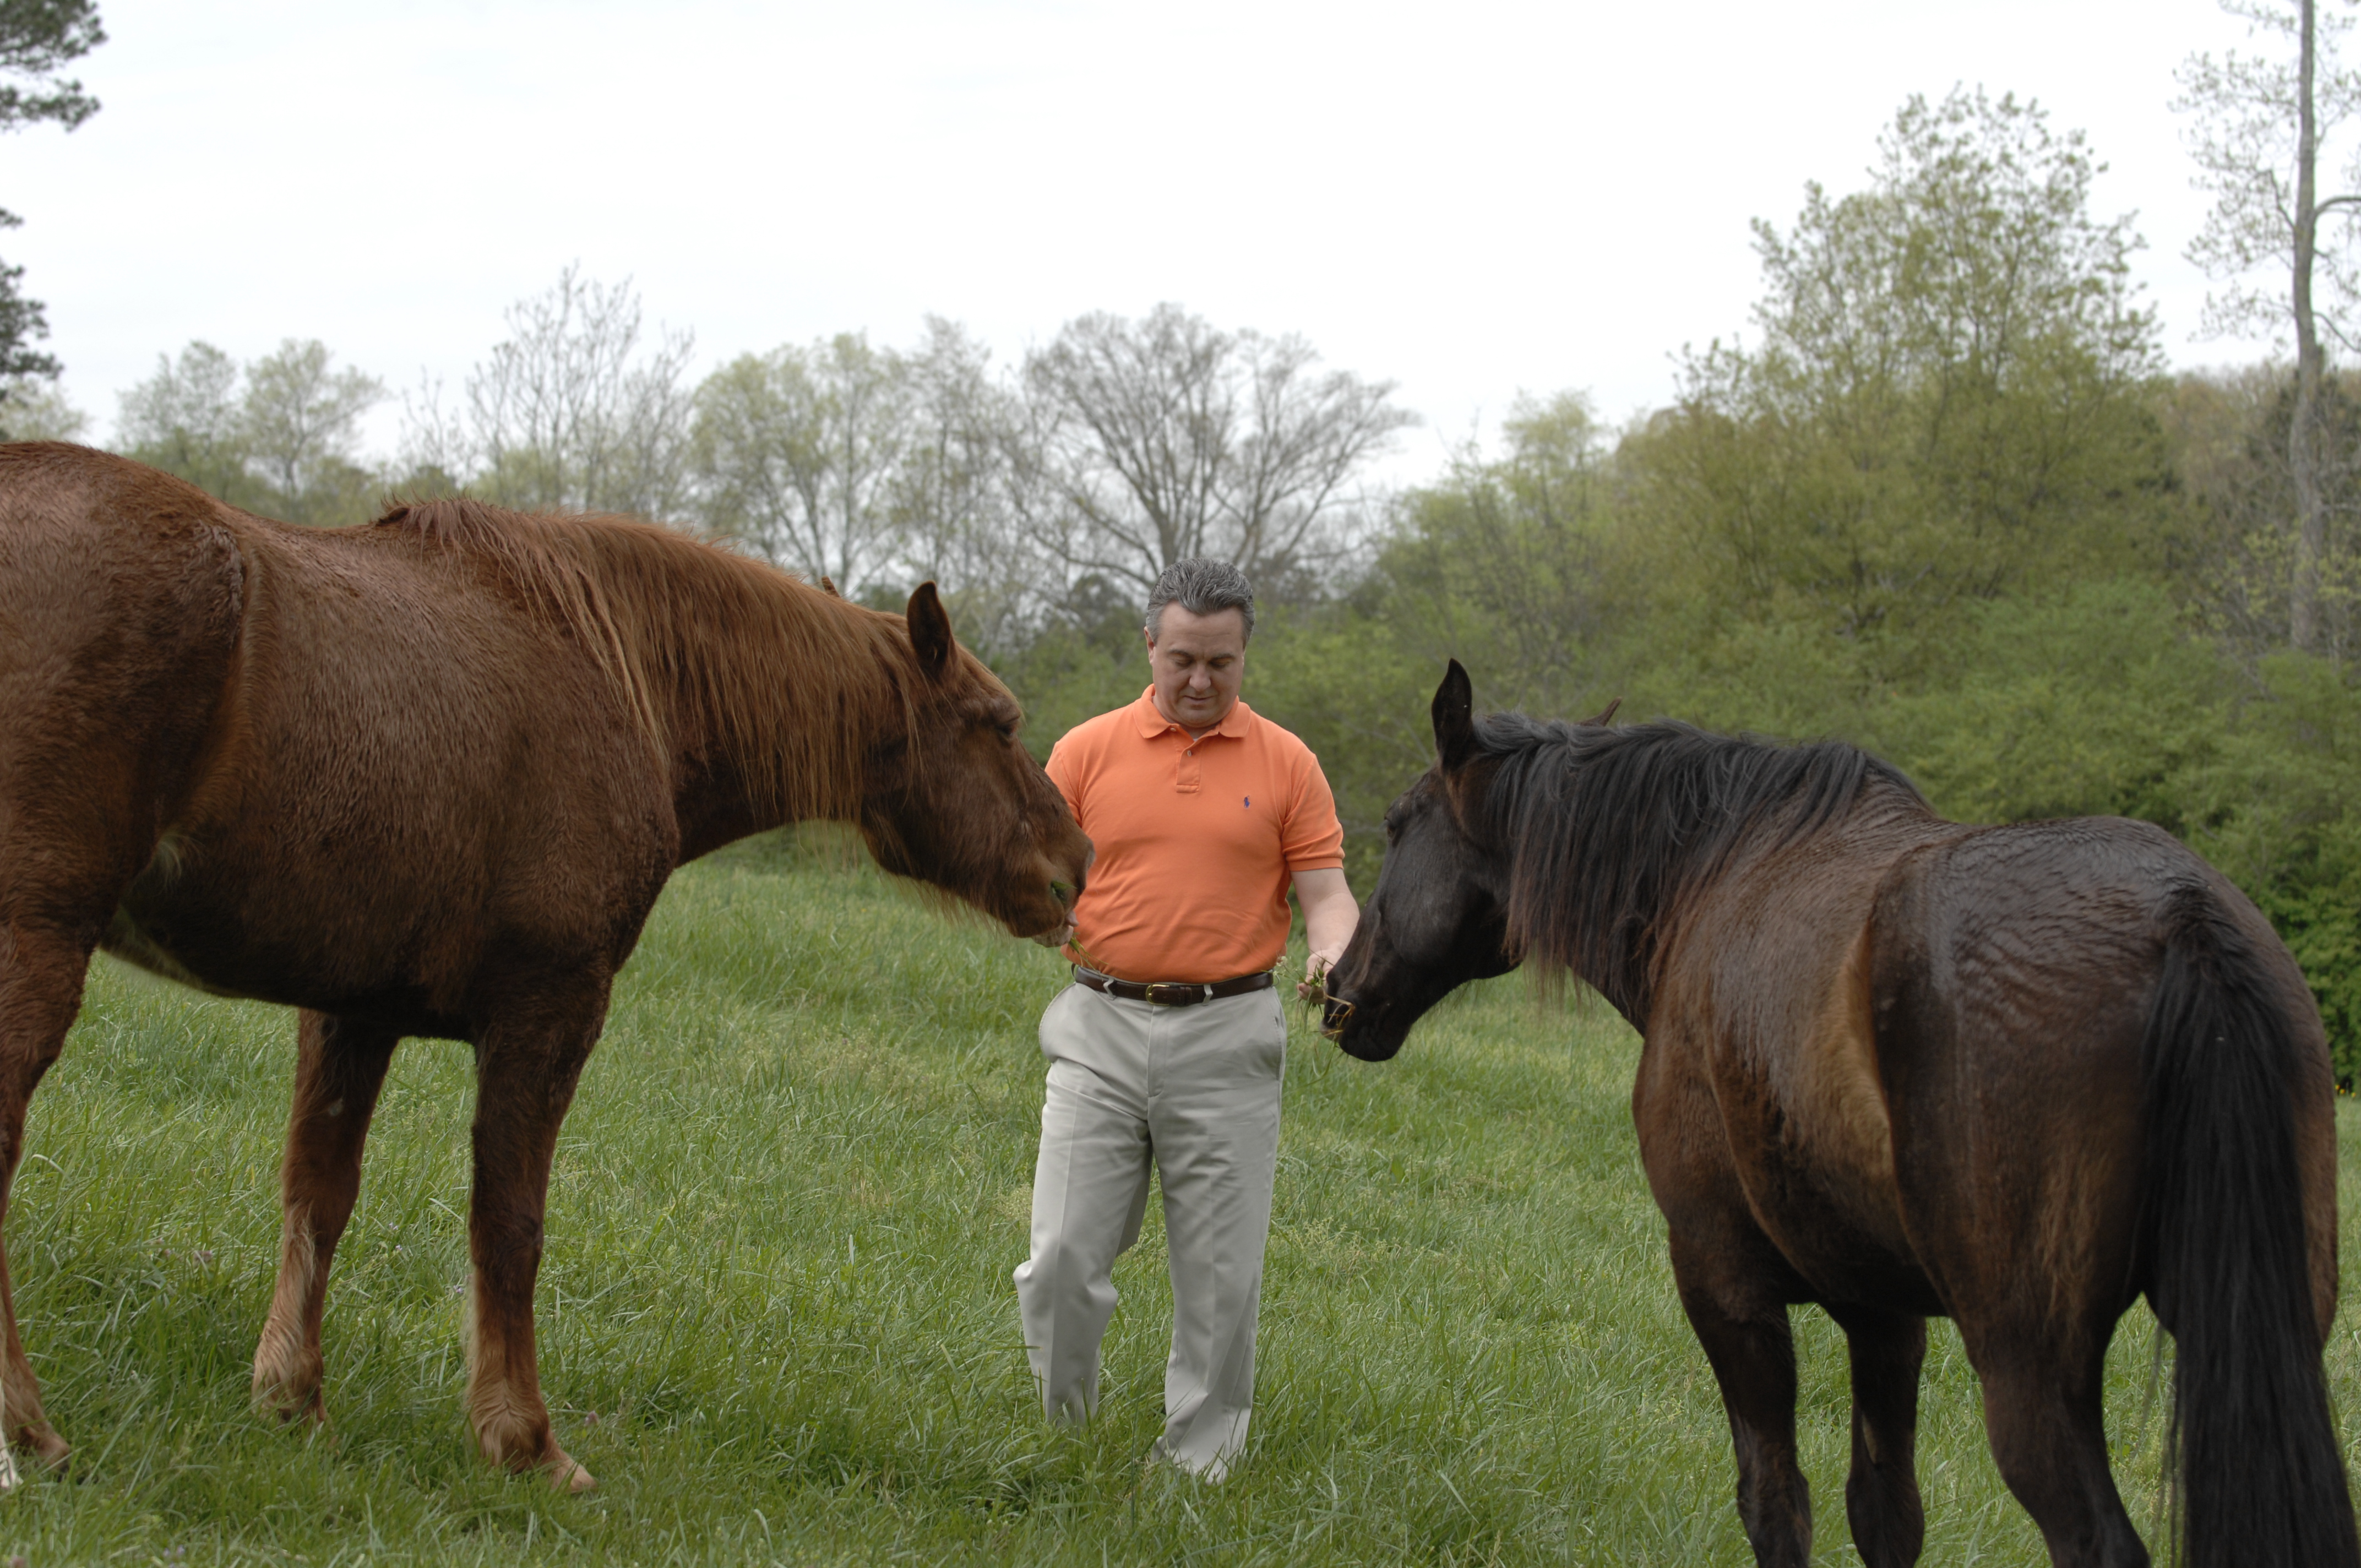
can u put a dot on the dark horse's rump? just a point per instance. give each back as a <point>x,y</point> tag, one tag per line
<point>428,777</point>
<point>1897,1067</point>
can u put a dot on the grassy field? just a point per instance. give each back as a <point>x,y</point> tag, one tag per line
<point>776,1316</point>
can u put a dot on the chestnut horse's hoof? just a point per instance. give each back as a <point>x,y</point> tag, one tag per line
<point>290,1404</point>
<point>565,1475</point>
<point>47,1450</point>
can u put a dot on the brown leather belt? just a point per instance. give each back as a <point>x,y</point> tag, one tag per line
<point>1172,992</point>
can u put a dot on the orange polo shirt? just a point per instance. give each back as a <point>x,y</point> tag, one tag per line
<point>1197,842</point>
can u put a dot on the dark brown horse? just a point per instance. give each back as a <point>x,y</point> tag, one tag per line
<point>427,777</point>
<point>1900,1068</point>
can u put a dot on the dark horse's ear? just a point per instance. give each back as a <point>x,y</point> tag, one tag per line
<point>1604,714</point>
<point>1455,718</point>
<point>930,630</point>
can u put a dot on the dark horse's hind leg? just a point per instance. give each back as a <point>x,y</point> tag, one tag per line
<point>340,1066</point>
<point>41,971</point>
<point>526,1067</point>
<point>1889,1522</point>
<point>2043,1415</point>
<point>1736,1296</point>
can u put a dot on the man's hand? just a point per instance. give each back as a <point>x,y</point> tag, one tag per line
<point>1328,917</point>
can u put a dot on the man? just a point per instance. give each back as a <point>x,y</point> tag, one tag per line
<point>1168,1049</point>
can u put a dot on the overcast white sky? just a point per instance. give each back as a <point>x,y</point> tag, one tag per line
<point>1467,198</point>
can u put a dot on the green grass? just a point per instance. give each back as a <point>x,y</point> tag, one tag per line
<point>776,1310</point>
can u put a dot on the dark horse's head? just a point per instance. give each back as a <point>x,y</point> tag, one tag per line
<point>956,800</point>
<point>1440,915</point>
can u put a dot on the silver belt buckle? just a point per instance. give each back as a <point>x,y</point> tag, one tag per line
<point>1176,993</point>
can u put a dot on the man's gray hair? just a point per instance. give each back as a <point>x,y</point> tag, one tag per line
<point>1202,585</point>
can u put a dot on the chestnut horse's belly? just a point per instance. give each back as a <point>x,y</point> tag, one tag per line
<point>232,920</point>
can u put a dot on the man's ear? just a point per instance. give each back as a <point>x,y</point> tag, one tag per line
<point>930,630</point>
<point>1455,719</point>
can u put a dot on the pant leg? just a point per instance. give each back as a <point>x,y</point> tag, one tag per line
<point>1213,1121</point>
<point>1090,1192</point>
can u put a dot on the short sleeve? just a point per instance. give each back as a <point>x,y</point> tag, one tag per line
<point>1313,839</point>
<point>1066,772</point>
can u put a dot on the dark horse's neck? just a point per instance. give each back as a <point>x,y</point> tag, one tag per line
<point>761,695</point>
<point>1608,831</point>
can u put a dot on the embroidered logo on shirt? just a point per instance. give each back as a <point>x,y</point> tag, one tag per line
<point>1247,801</point>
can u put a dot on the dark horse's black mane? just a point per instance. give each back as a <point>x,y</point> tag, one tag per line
<point>1607,828</point>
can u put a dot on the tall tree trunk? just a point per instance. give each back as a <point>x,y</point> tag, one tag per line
<point>2303,433</point>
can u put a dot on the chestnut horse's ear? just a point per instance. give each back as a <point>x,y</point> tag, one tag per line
<point>827,587</point>
<point>930,630</point>
<point>1605,714</point>
<point>1455,718</point>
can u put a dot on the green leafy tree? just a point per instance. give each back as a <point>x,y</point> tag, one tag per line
<point>278,436</point>
<point>186,420</point>
<point>37,38</point>
<point>300,416</point>
<point>1945,400</point>
<point>797,451</point>
<point>33,408</point>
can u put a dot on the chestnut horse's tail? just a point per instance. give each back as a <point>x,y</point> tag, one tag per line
<point>2251,1452</point>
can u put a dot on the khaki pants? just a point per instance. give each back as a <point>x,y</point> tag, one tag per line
<point>1192,1091</point>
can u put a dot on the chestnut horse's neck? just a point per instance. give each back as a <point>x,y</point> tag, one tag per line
<point>762,696</point>
<point>1606,831</point>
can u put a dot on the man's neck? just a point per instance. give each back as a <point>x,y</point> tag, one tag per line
<point>1191,730</point>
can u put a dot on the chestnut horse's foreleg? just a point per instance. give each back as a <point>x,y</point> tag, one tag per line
<point>1889,1521</point>
<point>524,1080</point>
<point>340,1066</point>
<point>41,971</point>
<point>1734,1303</point>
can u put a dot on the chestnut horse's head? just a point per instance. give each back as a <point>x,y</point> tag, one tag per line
<point>954,799</point>
<point>1439,916</point>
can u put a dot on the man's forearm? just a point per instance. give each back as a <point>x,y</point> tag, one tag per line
<point>1329,926</point>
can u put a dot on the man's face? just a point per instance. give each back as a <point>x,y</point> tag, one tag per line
<point>1197,662</point>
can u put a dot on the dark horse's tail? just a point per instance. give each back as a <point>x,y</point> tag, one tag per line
<point>2252,1451</point>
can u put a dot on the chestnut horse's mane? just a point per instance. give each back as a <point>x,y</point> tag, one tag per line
<point>1609,829</point>
<point>714,654</point>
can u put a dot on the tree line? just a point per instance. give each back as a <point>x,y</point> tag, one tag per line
<point>1944,497</point>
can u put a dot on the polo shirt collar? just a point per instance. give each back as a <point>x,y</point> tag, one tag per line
<point>1152,722</point>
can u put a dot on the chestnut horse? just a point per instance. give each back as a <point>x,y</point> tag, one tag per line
<point>1900,1068</point>
<point>426,777</point>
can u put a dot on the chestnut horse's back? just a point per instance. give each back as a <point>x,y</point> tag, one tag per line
<point>121,593</point>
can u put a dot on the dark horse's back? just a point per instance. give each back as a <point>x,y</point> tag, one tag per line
<point>289,754</point>
<point>2108,1077</point>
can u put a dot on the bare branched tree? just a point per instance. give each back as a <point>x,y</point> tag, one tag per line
<point>568,411</point>
<point>2260,124</point>
<point>1163,438</point>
